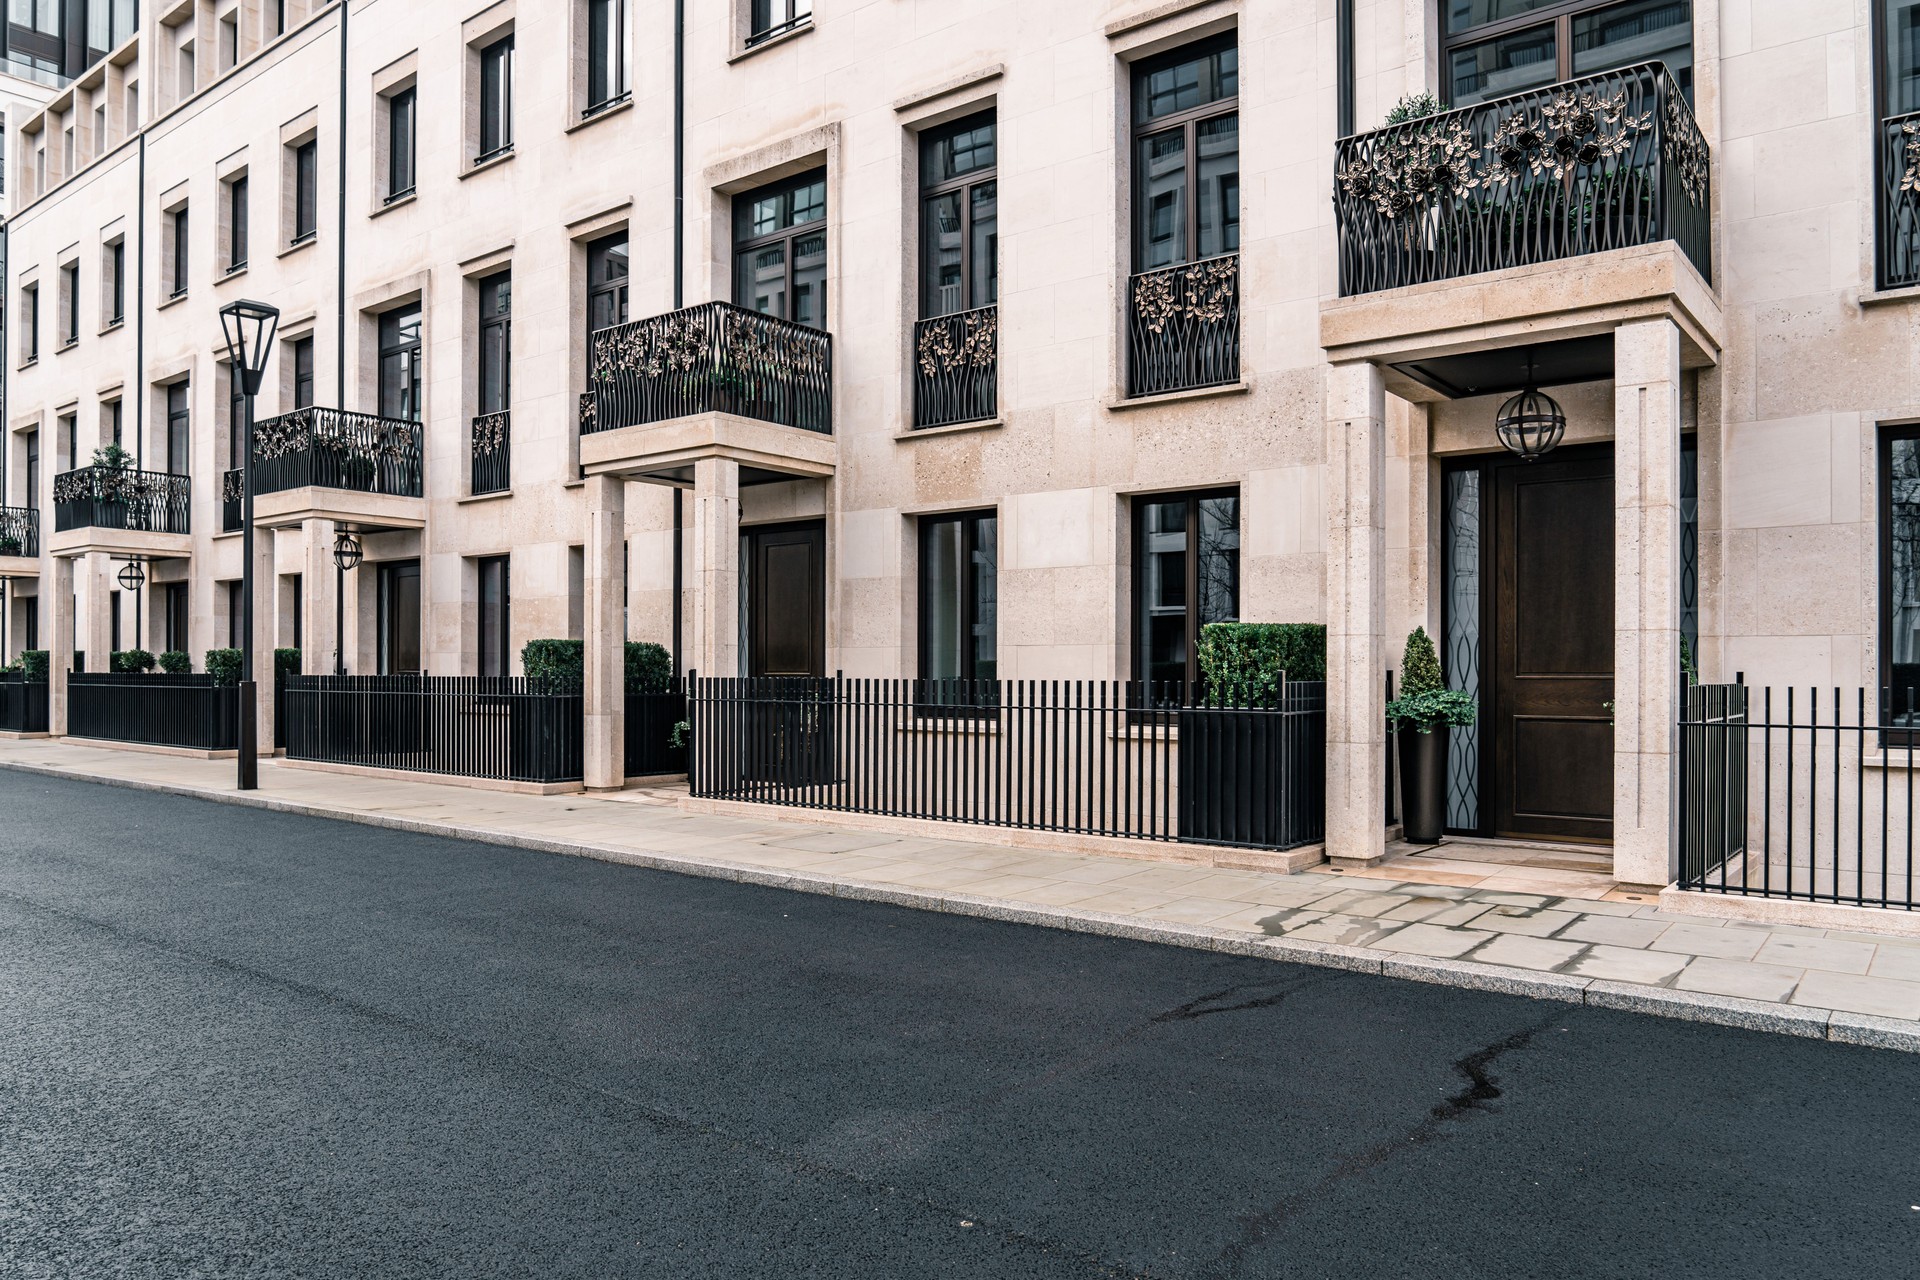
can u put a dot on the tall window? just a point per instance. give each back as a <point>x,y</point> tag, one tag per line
<point>306,191</point>
<point>30,319</point>
<point>959,224</point>
<point>236,607</point>
<point>237,224</point>
<point>774,17</point>
<point>399,617</point>
<point>180,241</point>
<point>236,420</point>
<point>1900,570</point>
<point>609,36</point>
<point>114,262</point>
<point>606,282</point>
<point>1186,156</point>
<point>279,17</point>
<point>301,352</point>
<point>780,250</point>
<point>70,304</point>
<point>400,144</point>
<point>959,594</point>
<point>177,611</point>
<point>109,22</point>
<point>495,607</point>
<point>110,427</point>
<point>400,364</point>
<point>496,99</point>
<point>179,427</point>
<point>32,447</point>
<point>1186,556</point>
<point>496,319</point>
<point>70,440</point>
<point>1491,48</point>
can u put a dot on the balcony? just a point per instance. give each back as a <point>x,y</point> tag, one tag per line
<point>956,366</point>
<point>1183,327</point>
<point>121,498</point>
<point>19,537</point>
<point>1606,162</point>
<point>233,492</point>
<point>333,464</point>
<point>492,453</point>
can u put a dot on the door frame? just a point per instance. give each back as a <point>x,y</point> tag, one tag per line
<point>751,534</point>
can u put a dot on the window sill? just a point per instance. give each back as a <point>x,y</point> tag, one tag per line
<point>233,273</point>
<point>481,166</point>
<point>388,206</point>
<point>171,300</point>
<point>771,42</point>
<point>1881,297</point>
<point>68,345</point>
<point>227,533</point>
<point>604,113</point>
<point>482,497</point>
<point>304,242</point>
<point>1121,405</point>
<point>950,429</point>
<point>28,364</point>
<point>117,324</point>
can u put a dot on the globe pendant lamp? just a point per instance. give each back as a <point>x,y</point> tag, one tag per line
<point>1531,424</point>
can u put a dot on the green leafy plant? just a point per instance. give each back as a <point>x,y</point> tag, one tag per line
<point>286,662</point>
<point>682,731</point>
<point>130,662</point>
<point>223,665</point>
<point>1414,106</point>
<point>176,663</point>
<point>649,667</point>
<point>111,456</point>
<point>36,663</point>
<point>10,544</point>
<point>1245,662</point>
<point>1425,703</point>
<point>1688,667</point>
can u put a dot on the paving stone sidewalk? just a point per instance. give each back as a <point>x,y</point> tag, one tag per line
<point>1562,937</point>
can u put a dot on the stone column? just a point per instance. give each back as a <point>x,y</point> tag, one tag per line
<point>1646,600</point>
<point>57,596</point>
<point>97,587</point>
<point>319,603</point>
<point>1356,612</point>
<point>606,705</point>
<point>266,614</point>
<point>715,647</point>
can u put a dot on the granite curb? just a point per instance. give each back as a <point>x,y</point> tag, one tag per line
<point>1753,1015</point>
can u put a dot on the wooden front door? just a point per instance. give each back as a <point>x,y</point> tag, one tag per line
<point>1552,654</point>
<point>787,599</point>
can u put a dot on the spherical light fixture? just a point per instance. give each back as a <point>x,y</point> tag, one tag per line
<point>1531,424</point>
<point>346,551</point>
<point>133,577</point>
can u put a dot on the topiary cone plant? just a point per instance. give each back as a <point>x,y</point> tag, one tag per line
<point>1422,717</point>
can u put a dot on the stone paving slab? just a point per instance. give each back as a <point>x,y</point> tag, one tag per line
<point>1863,988</point>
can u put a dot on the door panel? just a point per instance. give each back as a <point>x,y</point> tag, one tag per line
<point>786,600</point>
<point>1552,655</point>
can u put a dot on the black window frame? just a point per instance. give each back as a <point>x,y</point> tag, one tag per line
<point>1188,121</point>
<point>603,286</point>
<point>30,464</point>
<point>300,351</point>
<point>236,419</point>
<point>403,159</point>
<point>496,99</point>
<point>609,77</point>
<point>970,524</point>
<point>237,215</point>
<point>236,606</point>
<point>745,242</point>
<point>409,350</point>
<point>493,645</point>
<point>30,306</point>
<point>116,264</point>
<point>112,424</point>
<point>1890,679</point>
<point>965,185</point>
<point>1137,517</point>
<point>767,19</point>
<point>178,617</point>
<point>182,258</point>
<point>496,342</point>
<point>306,191</point>
<point>68,425</point>
<point>1559,14</point>
<point>70,285</point>
<point>387,574</point>
<point>179,426</point>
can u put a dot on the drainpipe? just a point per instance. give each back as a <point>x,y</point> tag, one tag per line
<point>679,285</point>
<point>340,344</point>
<point>1343,64</point>
<point>140,317</point>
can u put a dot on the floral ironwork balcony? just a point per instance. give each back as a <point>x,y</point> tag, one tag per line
<point>1897,255</point>
<point>335,449</point>
<point>1604,162</point>
<point>19,531</point>
<point>492,451</point>
<point>713,358</point>
<point>122,498</point>
<point>1183,327</point>
<point>956,365</point>
<point>233,491</point>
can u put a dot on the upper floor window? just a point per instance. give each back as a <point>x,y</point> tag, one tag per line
<point>1899,36</point>
<point>609,35</point>
<point>959,224</point>
<point>179,228</point>
<point>301,352</point>
<point>496,346</point>
<point>306,191</point>
<point>780,249</point>
<point>179,426</point>
<point>400,144</point>
<point>69,304</point>
<point>30,324</point>
<point>1492,48</point>
<point>496,99</point>
<point>279,17</point>
<point>109,24</point>
<point>606,282</point>
<point>230,41</point>
<point>400,364</point>
<point>236,224</point>
<point>1186,164</point>
<point>776,17</point>
<point>113,263</point>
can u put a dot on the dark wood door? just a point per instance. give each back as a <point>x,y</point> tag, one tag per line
<point>1552,667</point>
<point>787,600</point>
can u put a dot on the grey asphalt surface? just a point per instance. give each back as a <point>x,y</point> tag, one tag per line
<point>236,1043</point>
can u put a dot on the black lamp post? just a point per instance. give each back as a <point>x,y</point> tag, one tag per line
<point>346,555</point>
<point>249,328</point>
<point>132,578</point>
<point>4,584</point>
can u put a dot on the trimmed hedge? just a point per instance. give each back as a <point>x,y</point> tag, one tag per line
<point>224,665</point>
<point>176,663</point>
<point>36,663</point>
<point>130,662</point>
<point>649,667</point>
<point>1244,661</point>
<point>286,662</point>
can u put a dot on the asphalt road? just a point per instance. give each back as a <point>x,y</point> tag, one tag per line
<point>235,1043</point>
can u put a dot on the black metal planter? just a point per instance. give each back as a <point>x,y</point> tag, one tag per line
<point>1423,784</point>
<point>1254,777</point>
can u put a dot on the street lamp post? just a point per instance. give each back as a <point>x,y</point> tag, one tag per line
<point>132,578</point>
<point>249,328</point>
<point>346,555</point>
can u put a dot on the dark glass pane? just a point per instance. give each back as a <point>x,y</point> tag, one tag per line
<point>1193,81</point>
<point>1160,207</point>
<point>1218,197</point>
<point>986,245</point>
<point>496,294</point>
<point>400,364</point>
<point>941,255</point>
<point>760,280</point>
<point>1640,31</point>
<point>1162,609</point>
<point>302,373</point>
<point>943,582</point>
<point>1495,68</point>
<point>493,648</point>
<point>810,281</point>
<point>400,140</point>
<point>1902,71</point>
<point>1463,15</point>
<point>306,189</point>
<point>986,598</point>
<point>400,617</point>
<point>1460,646</point>
<point>237,224</point>
<point>606,51</point>
<point>956,153</point>
<point>496,96</point>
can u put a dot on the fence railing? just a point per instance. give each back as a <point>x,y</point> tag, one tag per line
<point>1603,162</point>
<point>492,452</point>
<point>19,531</point>
<point>122,498</point>
<point>714,357</point>
<point>651,717</point>
<point>24,704</point>
<point>1183,327</point>
<point>233,492</point>
<point>1805,794</point>
<point>161,710</point>
<point>956,366</point>
<point>1093,757</point>
<point>505,728</point>
<point>336,449</point>
<point>1897,255</point>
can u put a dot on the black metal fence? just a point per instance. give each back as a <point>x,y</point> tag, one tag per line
<point>956,366</point>
<point>650,744</point>
<point>1805,794</point>
<point>19,531</point>
<point>1183,327</point>
<point>714,357</point>
<point>335,449</point>
<point>161,710</point>
<point>233,492</point>
<point>1898,210</point>
<point>510,729</point>
<point>122,498</point>
<point>492,452</point>
<point>1093,757</point>
<point>1603,162</point>
<point>23,704</point>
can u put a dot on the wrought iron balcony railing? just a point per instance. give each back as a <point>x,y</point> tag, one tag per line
<point>122,498</point>
<point>19,531</point>
<point>492,452</point>
<point>1183,327</point>
<point>335,449</point>
<point>956,365</point>
<point>233,491</point>
<point>1604,162</point>
<point>1898,231</point>
<point>589,413</point>
<point>715,357</point>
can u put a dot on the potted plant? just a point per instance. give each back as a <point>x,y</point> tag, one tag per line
<point>175,663</point>
<point>1422,717</point>
<point>10,544</point>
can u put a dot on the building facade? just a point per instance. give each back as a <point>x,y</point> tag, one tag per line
<point>1054,333</point>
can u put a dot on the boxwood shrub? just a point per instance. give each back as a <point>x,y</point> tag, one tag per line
<point>129,662</point>
<point>224,665</point>
<point>1244,661</point>
<point>176,663</point>
<point>649,667</point>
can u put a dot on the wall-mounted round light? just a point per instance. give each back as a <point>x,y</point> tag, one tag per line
<point>1532,423</point>
<point>346,551</point>
<point>133,577</point>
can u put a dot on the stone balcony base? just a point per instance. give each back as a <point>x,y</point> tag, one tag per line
<point>120,542</point>
<point>665,452</point>
<point>366,511</point>
<point>19,566</point>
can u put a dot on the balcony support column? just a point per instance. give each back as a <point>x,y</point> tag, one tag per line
<point>266,615</point>
<point>318,611</point>
<point>605,626</point>
<point>1646,602</point>
<point>96,610</point>
<point>1356,613</point>
<point>59,616</point>
<point>716,567</point>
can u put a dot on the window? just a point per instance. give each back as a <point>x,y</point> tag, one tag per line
<point>279,17</point>
<point>69,304</point>
<point>300,352</point>
<point>30,323</point>
<point>1186,156</point>
<point>1186,557</point>
<point>30,622</point>
<point>780,250</point>
<point>174,610</point>
<point>113,265</point>
<point>400,364</point>
<point>959,235</point>
<point>1491,48</point>
<point>237,224</point>
<point>1900,572</point>
<point>109,22</point>
<point>399,617</point>
<point>609,36</point>
<point>1899,40</point>
<point>110,426</point>
<point>400,137</point>
<point>178,228</point>
<point>959,595</point>
<point>496,307</point>
<point>236,419</point>
<point>66,139</point>
<point>133,106</point>
<point>775,17</point>
<point>230,42</point>
<point>298,598</point>
<point>69,442</point>
<point>236,606</point>
<point>31,444</point>
<point>113,621</point>
<point>496,99</point>
<point>606,282</point>
<point>306,191</point>
<point>179,427</point>
<point>100,129</point>
<point>495,607</point>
